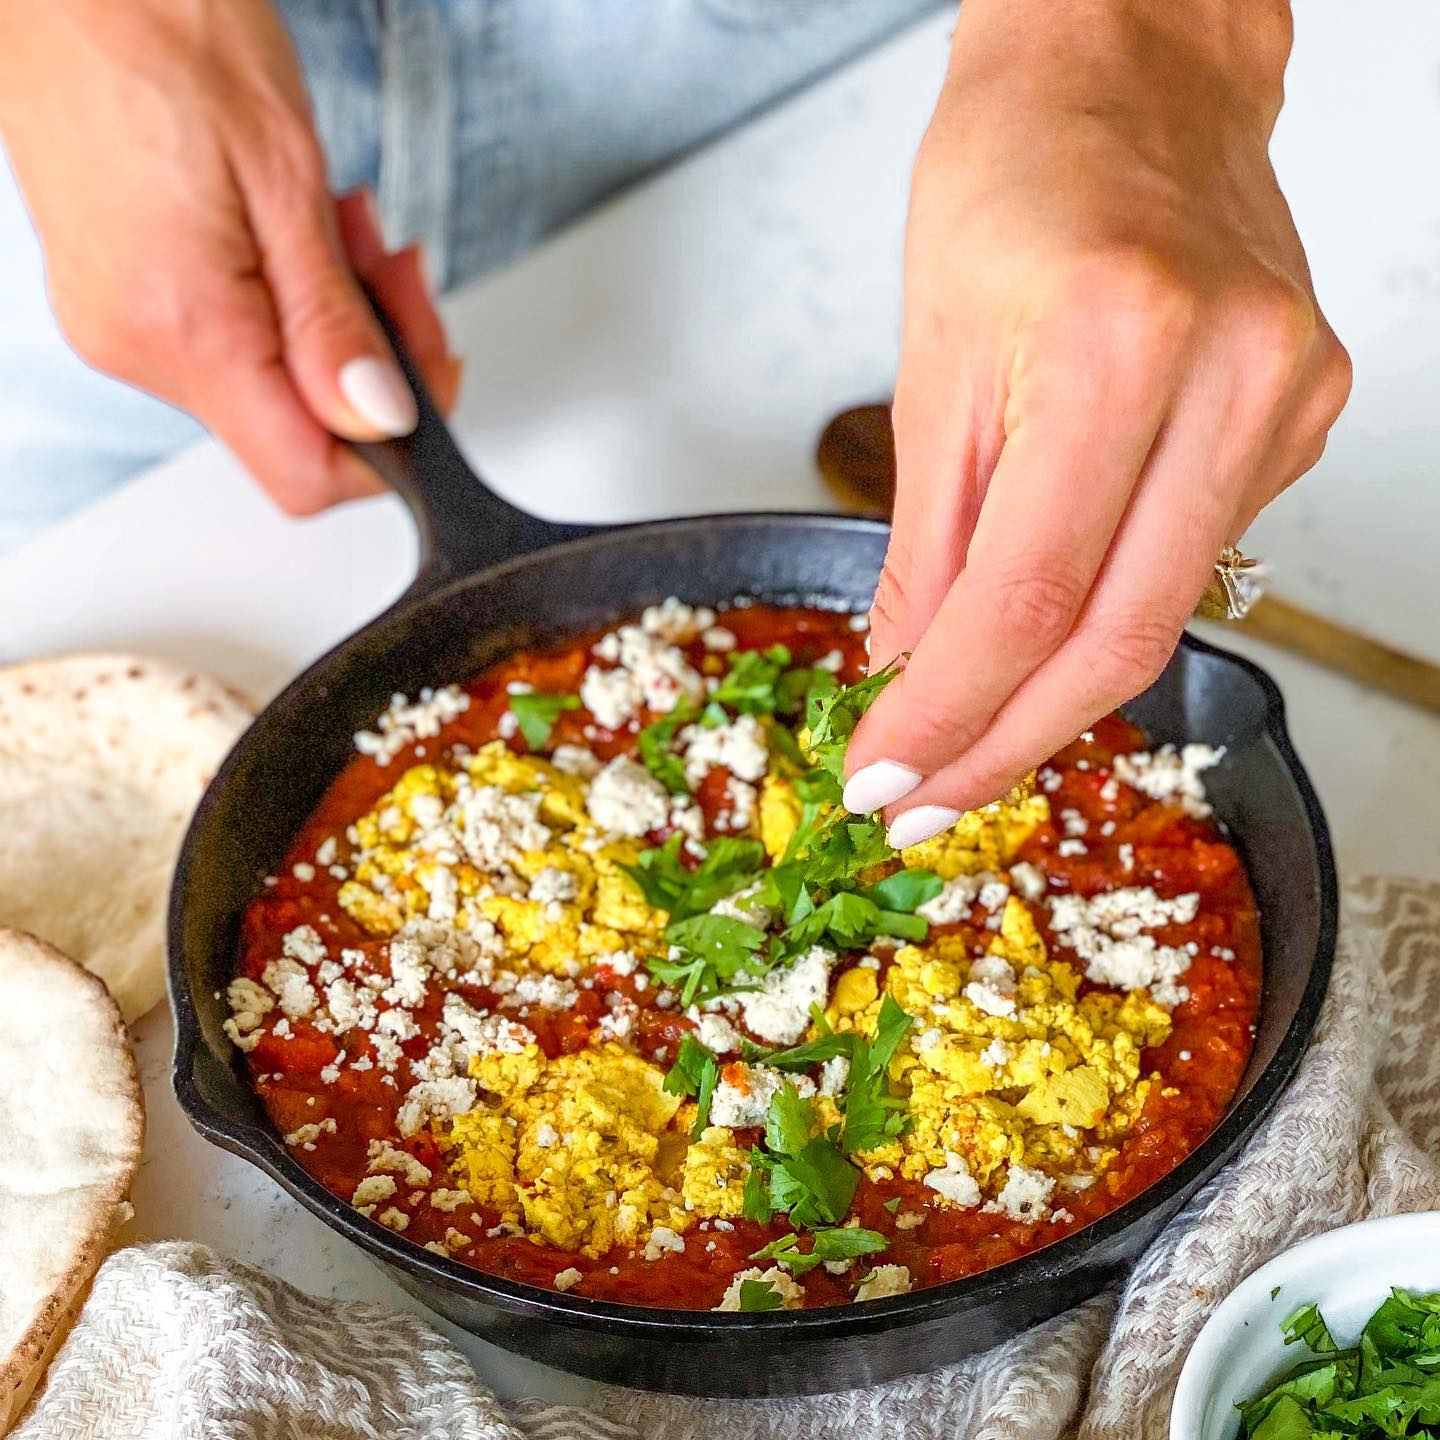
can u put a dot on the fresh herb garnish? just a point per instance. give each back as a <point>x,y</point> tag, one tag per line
<point>750,685</point>
<point>665,882</point>
<point>695,1072</point>
<point>716,950</point>
<point>835,1243</point>
<point>654,743</point>
<point>893,1204</point>
<point>1386,1385</point>
<point>536,713</point>
<point>798,1170</point>
<point>872,1114</point>
<point>757,1296</point>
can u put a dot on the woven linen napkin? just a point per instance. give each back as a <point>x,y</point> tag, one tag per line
<point>177,1343</point>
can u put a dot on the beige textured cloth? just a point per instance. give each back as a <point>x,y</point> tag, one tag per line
<point>179,1344</point>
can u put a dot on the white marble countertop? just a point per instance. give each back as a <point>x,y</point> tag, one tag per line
<point>677,352</point>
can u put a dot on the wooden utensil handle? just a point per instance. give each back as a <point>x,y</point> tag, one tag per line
<point>1339,648</point>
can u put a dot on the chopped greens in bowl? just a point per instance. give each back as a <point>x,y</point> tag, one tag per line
<point>1385,1385</point>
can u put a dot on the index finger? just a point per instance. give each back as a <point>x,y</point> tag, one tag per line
<point>1077,439</point>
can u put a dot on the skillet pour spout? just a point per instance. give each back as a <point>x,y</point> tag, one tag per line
<point>494,580</point>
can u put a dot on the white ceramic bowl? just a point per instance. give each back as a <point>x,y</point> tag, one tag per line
<point>1347,1273</point>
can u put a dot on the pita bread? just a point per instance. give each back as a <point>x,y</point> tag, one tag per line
<point>102,761</point>
<point>71,1127</point>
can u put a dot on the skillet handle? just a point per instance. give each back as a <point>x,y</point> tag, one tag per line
<point>463,525</point>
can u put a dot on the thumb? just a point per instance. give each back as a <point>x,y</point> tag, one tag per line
<point>335,352</point>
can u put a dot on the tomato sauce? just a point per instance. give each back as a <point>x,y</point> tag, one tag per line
<point>1199,1065</point>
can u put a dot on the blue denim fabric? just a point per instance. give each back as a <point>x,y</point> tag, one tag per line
<point>481,124</point>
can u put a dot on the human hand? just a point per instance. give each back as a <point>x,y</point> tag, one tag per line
<point>1112,360</point>
<point>192,246</point>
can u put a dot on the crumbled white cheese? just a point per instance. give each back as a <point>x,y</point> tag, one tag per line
<point>1105,931</point>
<point>553,884</point>
<point>715,1032</point>
<point>744,1093</point>
<point>834,1073</point>
<point>884,1281</point>
<point>576,760</point>
<point>372,1190</point>
<point>469,1033</point>
<point>991,986</point>
<point>249,1004</point>
<point>663,1240</point>
<point>675,621</point>
<point>496,827</point>
<point>1171,776</point>
<point>435,1099</point>
<point>718,638</point>
<point>738,746</point>
<point>740,798</point>
<point>625,799</point>
<point>448,1201</point>
<point>288,979</point>
<point>792,1295</point>
<point>779,1011</point>
<point>613,697</point>
<point>1028,880</point>
<point>1025,1194</point>
<point>745,905</point>
<point>996,1053</point>
<point>953,903</point>
<point>1068,849</point>
<point>954,1184</point>
<point>405,722</point>
<point>568,1277</point>
<point>383,1158</point>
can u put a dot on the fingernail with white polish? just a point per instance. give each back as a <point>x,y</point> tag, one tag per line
<point>376,391</point>
<point>924,822</point>
<point>878,785</point>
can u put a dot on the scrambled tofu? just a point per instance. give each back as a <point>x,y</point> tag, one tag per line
<point>572,1148</point>
<point>1005,1065</point>
<point>418,851</point>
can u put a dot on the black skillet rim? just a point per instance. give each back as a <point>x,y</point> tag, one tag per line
<point>528,1302</point>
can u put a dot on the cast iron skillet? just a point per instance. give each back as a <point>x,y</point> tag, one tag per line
<point>493,580</point>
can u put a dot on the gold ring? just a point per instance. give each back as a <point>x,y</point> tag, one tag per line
<point>1234,587</point>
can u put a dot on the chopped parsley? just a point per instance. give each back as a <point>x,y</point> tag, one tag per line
<point>1386,1385</point>
<point>798,1171</point>
<point>729,865</point>
<point>759,1295</point>
<point>837,1243</point>
<point>654,743</point>
<point>716,955</point>
<point>752,684</point>
<point>536,713</point>
<point>695,1072</point>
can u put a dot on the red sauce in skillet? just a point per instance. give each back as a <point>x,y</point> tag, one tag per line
<point>1200,1064</point>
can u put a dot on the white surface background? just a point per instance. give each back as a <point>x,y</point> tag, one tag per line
<point>679,351</point>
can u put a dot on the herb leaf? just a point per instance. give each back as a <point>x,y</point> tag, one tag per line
<point>757,1296</point>
<point>695,1072</point>
<point>663,879</point>
<point>654,743</point>
<point>536,713</point>
<point>749,687</point>
<point>1383,1386</point>
<point>836,1243</point>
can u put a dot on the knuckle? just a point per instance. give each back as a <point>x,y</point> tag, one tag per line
<point>1037,606</point>
<point>1129,652</point>
<point>1334,381</point>
<point>1274,327</point>
<point>1139,299</point>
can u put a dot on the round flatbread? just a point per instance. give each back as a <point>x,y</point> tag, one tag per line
<point>102,760</point>
<point>71,1127</point>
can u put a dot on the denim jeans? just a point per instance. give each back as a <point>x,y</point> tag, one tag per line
<point>482,125</point>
